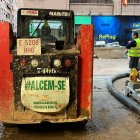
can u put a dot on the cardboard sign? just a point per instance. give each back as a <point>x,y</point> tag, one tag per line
<point>45,94</point>
<point>29,46</point>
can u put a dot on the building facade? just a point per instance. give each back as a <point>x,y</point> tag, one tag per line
<point>8,8</point>
<point>46,4</point>
<point>83,8</point>
<point>8,12</point>
<point>105,7</point>
<point>86,7</point>
<point>113,22</point>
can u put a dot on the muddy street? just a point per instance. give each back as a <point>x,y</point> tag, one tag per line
<point>111,119</point>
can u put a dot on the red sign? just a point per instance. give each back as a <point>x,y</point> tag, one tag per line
<point>29,12</point>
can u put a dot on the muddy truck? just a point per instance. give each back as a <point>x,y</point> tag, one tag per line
<point>44,75</point>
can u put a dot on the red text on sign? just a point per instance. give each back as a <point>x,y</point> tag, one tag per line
<point>29,50</point>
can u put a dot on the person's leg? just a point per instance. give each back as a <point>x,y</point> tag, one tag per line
<point>133,63</point>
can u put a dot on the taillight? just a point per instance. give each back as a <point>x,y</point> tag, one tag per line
<point>22,62</point>
<point>57,62</point>
<point>67,62</point>
<point>34,63</point>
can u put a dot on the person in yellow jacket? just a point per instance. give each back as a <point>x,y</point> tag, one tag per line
<point>134,51</point>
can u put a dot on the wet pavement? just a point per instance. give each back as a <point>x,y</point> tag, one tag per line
<point>111,119</point>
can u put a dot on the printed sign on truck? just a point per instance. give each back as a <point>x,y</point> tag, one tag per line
<point>45,94</point>
<point>29,12</point>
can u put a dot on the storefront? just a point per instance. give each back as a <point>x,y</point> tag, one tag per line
<point>110,30</point>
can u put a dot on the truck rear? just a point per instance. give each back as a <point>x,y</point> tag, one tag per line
<point>45,76</point>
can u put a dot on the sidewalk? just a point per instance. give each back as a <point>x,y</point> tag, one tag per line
<point>110,66</point>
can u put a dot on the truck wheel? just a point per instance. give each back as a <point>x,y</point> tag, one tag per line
<point>9,125</point>
<point>80,124</point>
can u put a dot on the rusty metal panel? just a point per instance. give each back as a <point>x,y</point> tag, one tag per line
<point>85,41</point>
<point>6,76</point>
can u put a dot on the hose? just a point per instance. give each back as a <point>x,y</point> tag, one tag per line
<point>134,106</point>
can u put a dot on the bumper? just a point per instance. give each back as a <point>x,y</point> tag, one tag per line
<point>79,119</point>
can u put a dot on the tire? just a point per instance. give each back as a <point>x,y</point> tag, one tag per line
<point>80,124</point>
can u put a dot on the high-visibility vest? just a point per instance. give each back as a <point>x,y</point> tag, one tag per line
<point>135,51</point>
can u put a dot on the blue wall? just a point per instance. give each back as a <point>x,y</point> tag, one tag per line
<point>115,28</point>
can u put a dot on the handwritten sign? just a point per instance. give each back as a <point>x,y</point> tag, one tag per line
<point>29,46</point>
